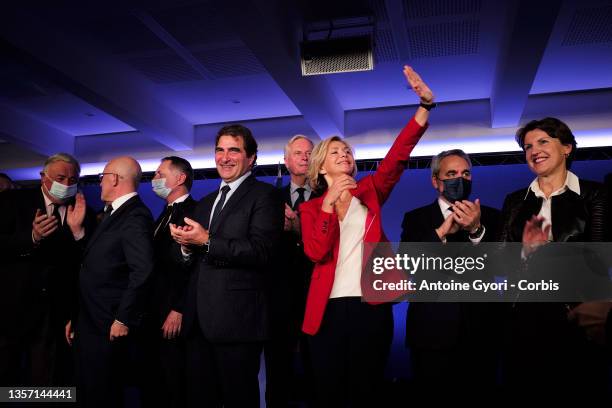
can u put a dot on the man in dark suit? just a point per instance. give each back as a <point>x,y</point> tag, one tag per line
<point>451,343</point>
<point>118,261</point>
<point>41,231</point>
<point>165,356</point>
<point>289,284</point>
<point>230,241</point>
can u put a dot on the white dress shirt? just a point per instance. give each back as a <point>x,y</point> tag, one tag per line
<point>347,279</point>
<point>571,182</point>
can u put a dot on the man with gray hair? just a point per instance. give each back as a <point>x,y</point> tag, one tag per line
<point>451,343</point>
<point>117,263</point>
<point>41,235</point>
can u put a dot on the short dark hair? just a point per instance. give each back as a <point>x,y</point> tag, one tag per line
<point>5,176</point>
<point>237,130</point>
<point>554,128</point>
<point>182,165</point>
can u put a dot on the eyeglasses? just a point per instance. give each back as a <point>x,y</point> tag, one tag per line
<point>101,175</point>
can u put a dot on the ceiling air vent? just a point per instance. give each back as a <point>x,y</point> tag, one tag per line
<point>337,55</point>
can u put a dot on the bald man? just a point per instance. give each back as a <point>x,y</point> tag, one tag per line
<point>118,261</point>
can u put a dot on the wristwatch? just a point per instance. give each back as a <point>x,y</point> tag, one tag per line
<point>477,233</point>
<point>428,106</point>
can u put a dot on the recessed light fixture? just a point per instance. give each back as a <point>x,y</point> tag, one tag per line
<point>235,101</point>
<point>89,114</point>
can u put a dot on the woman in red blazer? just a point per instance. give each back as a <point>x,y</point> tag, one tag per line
<point>350,339</point>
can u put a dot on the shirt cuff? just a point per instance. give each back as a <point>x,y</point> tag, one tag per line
<point>186,255</point>
<point>79,235</point>
<point>479,238</point>
<point>120,322</point>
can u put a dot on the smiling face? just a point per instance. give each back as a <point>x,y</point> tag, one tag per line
<point>545,155</point>
<point>231,158</point>
<point>338,160</point>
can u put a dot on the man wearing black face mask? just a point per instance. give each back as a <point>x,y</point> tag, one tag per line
<point>42,231</point>
<point>451,343</point>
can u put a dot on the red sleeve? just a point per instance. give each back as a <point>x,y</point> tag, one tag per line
<point>392,166</point>
<point>319,230</point>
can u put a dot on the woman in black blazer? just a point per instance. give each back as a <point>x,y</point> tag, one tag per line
<point>546,346</point>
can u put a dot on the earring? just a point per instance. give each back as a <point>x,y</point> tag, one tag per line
<point>566,155</point>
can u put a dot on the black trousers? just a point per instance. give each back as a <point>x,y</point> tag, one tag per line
<point>289,377</point>
<point>40,357</point>
<point>221,374</point>
<point>163,365</point>
<point>350,352</point>
<point>103,368</point>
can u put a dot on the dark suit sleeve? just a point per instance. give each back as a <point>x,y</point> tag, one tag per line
<point>416,229</point>
<point>491,219</point>
<point>598,207</point>
<point>256,249</point>
<point>505,229</point>
<point>137,246</point>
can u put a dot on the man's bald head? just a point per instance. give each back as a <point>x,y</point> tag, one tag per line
<point>121,176</point>
<point>127,168</point>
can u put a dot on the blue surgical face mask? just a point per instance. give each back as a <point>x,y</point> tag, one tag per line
<point>159,188</point>
<point>457,189</point>
<point>62,192</point>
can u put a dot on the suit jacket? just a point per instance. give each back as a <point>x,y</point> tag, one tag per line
<point>321,230</point>
<point>288,284</point>
<point>578,218</point>
<point>35,279</point>
<point>117,264</point>
<point>227,286</point>
<point>169,280</point>
<point>445,325</point>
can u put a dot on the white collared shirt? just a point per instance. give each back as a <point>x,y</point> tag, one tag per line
<point>295,195</point>
<point>347,279</point>
<point>233,187</point>
<point>118,202</point>
<point>571,182</point>
<point>179,200</point>
<point>49,207</point>
<point>447,212</point>
<point>62,212</point>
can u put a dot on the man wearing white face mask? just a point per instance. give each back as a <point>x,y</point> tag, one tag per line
<point>41,235</point>
<point>165,349</point>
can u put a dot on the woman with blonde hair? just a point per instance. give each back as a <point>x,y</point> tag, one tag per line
<point>349,338</point>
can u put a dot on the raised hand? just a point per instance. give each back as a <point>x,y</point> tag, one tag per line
<point>467,214</point>
<point>43,225</point>
<point>341,184</point>
<point>76,214</point>
<point>292,222</point>
<point>534,235</point>
<point>418,86</point>
<point>191,234</point>
<point>449,226</point>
